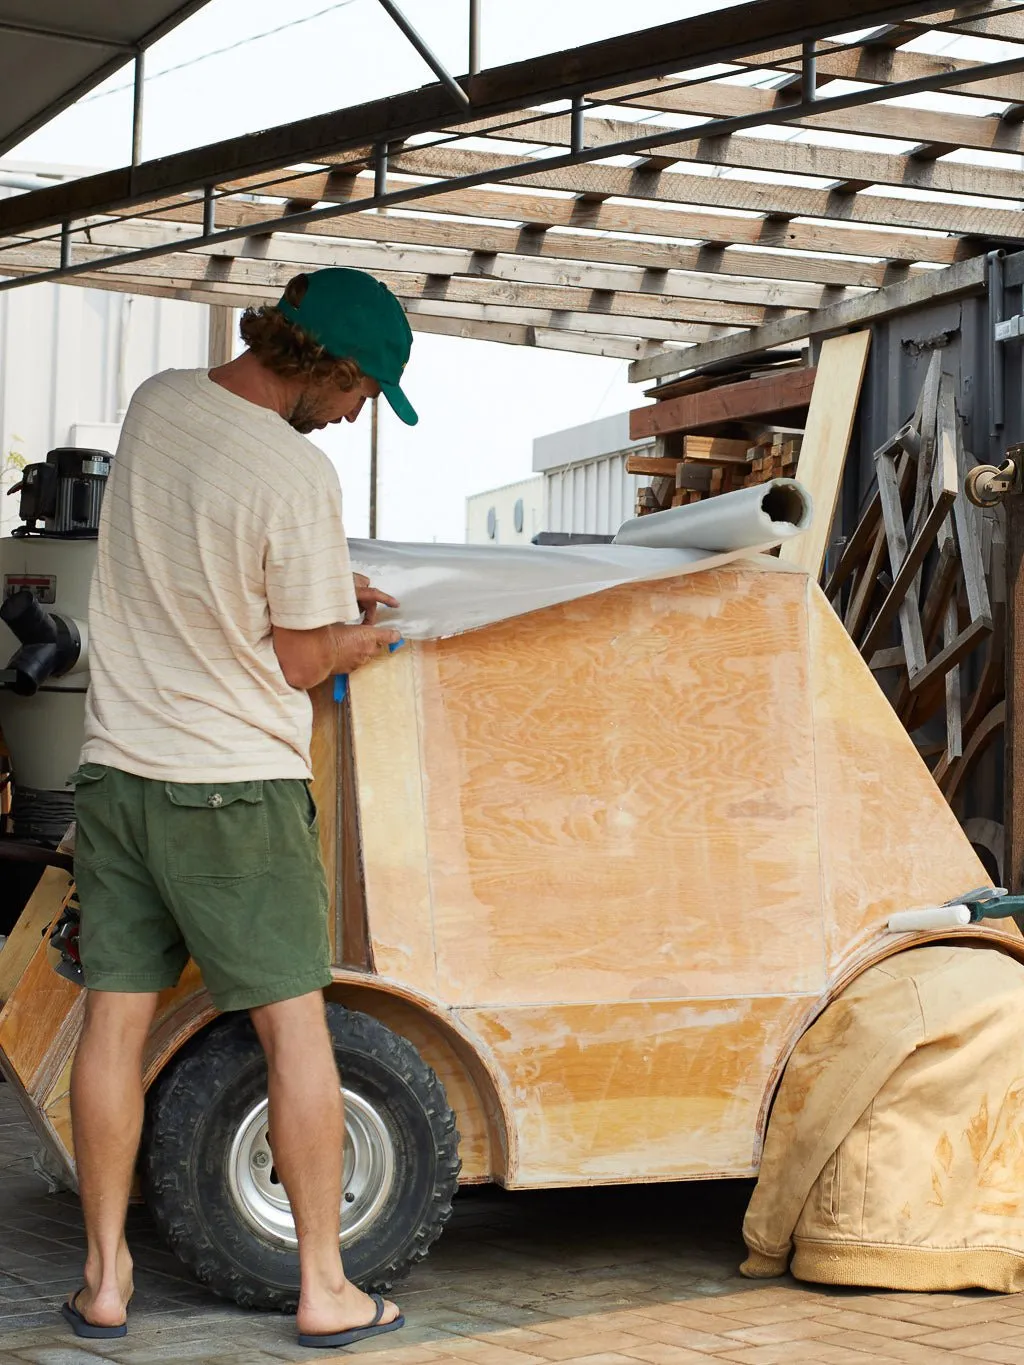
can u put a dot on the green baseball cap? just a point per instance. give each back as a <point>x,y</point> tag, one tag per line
<point>355,317</point>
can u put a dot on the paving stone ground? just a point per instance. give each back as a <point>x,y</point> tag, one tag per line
<point>622,1276</point>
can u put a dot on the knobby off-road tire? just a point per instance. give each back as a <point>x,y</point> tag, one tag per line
<point>213,1191</point>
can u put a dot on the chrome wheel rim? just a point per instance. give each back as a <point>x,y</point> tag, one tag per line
<point>369,1173</point>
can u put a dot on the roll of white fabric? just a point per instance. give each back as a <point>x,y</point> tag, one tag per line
<point>766,514</point>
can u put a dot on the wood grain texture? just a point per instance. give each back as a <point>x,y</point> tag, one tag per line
<point>398,892</point>
<point>610,815</point>
<point>826,439</point>
<point>44,906</point>
<point>788,390</point>
<point>626,1092</point>
<point>34,1017</point>
<point>324,754</point>
<point>889,841</point>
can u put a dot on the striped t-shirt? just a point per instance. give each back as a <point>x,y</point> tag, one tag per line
<point>218,520</point>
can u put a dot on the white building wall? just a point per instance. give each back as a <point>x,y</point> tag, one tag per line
<point>594,497</point>
<point>586,487</point>
<point>495,511</point>
<point>70,359</point>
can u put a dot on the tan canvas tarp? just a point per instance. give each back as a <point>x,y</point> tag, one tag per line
<point>895,1151</point>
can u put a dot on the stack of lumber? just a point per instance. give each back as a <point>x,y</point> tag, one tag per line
<point>716,433</point>
<point>709,465</point>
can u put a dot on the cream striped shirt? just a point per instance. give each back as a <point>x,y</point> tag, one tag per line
<point>218,519</point>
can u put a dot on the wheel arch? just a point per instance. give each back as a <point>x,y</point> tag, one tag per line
<point>1010,943</point>
<point>474,1087</point>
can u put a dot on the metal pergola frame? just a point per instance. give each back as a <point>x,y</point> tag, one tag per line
<point>706,244</point>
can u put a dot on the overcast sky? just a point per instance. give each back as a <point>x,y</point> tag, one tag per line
<point>480,404</point>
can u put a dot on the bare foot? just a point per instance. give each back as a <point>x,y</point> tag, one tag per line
<point>323,1312</point>
<point>105,1304</point>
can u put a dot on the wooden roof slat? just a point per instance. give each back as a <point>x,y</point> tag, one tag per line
<point>674,187</point>
<point>305,251</point>
<point>963,278</point>
<point>912,170</point>
<point>714,99</point>
<point>570,246</point>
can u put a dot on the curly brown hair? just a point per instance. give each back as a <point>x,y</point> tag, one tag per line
<point>287,350</point>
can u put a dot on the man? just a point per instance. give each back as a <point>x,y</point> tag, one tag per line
<point>222,592</point>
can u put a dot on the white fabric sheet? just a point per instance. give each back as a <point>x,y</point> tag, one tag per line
<point>448,589</point>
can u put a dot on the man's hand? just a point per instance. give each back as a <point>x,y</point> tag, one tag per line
<point>354,646</point>
<point>369,598</point>
<point>308,656</point>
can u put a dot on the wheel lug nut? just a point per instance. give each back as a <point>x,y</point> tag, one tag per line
<point>260,1160</point>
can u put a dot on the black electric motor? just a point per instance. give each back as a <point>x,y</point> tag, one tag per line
<point>63,495</point>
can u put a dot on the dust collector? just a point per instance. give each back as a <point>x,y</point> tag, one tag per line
<point>46,566</point>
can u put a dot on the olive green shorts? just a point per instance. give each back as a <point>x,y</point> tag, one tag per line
<point>228,873</point>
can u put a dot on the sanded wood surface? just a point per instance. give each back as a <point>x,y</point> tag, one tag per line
<point>43,907</point>
<point>826,440</point>
<point>638,1090</point>
<point>324,754</point>
<point>395,856</point>
<point>770,394</point>
<point>582,845</point>
<point>620,901</point>
<point>889,841</point>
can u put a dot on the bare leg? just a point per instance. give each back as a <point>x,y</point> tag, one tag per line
<point>106,1118</point>
<point>307,1130</point>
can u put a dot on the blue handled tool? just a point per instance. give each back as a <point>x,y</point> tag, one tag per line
<point>341,679</point>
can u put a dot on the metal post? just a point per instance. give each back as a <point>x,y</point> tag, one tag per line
<point>439,70</point>
<point>373,468</point>
<point>138,106</point>
<point>996,350</point>
<point>809,72</point>
<point>1013,731</point>
<point>65,244</point>
<point>576,125</point>
<point>209,211</point>
<point>474,37</point>
<point>380,169</point>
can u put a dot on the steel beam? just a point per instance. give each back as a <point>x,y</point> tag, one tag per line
<point>138,105</point>
<point>124,51</point>
<point>66,36</point>
<point>522,169</point>
<point>474,37</point>
<point>436,65</point>
<point>692,43</point>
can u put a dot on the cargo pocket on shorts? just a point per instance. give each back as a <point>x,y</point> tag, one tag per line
<point>312,814</point>
<point>94,847</point>
<point>216,831</point>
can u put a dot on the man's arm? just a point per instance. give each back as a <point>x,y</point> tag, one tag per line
<point>308,656</point>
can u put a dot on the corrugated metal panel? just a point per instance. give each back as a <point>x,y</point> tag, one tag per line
<point>593,497</point>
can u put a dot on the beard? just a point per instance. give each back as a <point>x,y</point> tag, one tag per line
<point>305,416</point>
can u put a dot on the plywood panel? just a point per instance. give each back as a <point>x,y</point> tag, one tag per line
<point>620,797</point>
<point>386,739</point>
<point>35,1015</point>
<point>324,757</point>
<point>43,907</point>
<point>826,439</point>
<point>889,841</point>
<point>651,1091</point>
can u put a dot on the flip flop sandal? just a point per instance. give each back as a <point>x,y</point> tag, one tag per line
<point>82,1327</point>
<point>375,1328</point>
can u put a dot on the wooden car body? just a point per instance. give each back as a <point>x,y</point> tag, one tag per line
<point>601,864</point>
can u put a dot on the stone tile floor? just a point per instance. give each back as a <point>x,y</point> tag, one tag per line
<point>626,1276</point>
